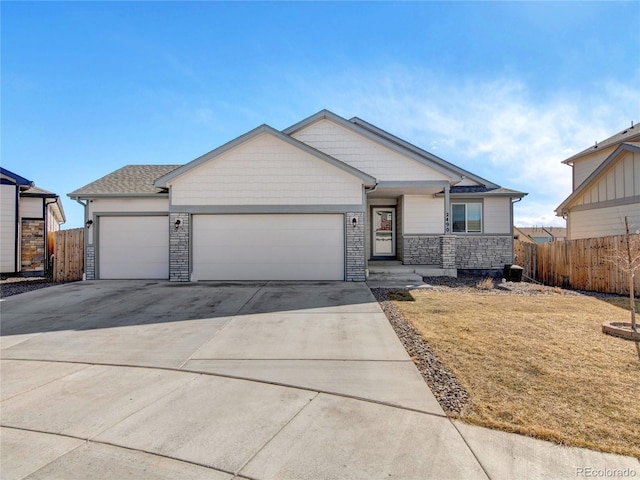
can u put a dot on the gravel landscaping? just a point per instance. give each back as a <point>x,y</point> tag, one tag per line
<point>15,285</point>
<point>444,385</point>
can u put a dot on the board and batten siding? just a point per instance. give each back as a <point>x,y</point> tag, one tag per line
<point>7,228</point>
<point>423,214</point>
<point>379,161</point>
<point>602,222</point>
<point>266,171</point>
<point>497,215</point>
<point>585,166</point>
<point>622,180</point>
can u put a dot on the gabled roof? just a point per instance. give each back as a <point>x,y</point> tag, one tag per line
<point>475,191</point>
<point>367,179</point>
<point>385,139</point>
<point>15,178</point>
<point>36,191</point>
<point>130,180</point>
<point>627,135</point>
<point>326,114</point>
<point>624,147</point>
<point>417,150</point>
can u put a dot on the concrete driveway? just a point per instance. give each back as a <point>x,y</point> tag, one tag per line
<point>133,379</point>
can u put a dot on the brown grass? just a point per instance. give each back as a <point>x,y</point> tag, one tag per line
<point>537,365</point>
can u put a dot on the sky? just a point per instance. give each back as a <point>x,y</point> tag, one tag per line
<point>506,90</point>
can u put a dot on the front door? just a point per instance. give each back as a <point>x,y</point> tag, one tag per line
<point>384,232</point>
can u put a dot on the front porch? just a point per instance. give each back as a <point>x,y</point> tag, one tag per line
<point>392,273</point>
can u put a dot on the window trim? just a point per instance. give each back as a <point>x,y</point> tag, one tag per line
<point>466,218</point>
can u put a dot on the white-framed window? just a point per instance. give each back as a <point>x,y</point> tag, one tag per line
<point>466,217</point>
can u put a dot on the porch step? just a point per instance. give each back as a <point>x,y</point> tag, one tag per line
<point>393,273</point>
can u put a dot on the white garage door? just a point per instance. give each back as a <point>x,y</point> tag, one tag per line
<point>268,247</point>
<point>133,247</point>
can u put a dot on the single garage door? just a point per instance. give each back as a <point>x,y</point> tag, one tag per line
<point>133,247</point>
<point>268,247</point>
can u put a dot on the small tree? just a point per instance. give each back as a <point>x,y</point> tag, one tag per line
<point>629,262</point>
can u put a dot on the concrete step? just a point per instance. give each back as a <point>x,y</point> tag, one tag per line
<point>395,277</point>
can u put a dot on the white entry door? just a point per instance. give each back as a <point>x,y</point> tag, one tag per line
<point>384,232</point>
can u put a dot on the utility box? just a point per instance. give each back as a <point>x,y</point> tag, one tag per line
<point>512,273</point>
<point>516,273</point>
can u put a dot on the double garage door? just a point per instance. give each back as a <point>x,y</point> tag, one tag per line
<point>227,247</point>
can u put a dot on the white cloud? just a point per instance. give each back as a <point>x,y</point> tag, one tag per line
<point>498,128</point>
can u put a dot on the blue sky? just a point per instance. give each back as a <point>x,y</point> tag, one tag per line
<point>506,90</point>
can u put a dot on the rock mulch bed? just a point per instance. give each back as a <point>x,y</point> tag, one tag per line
<point>14,285</point>
<point>442,382</point>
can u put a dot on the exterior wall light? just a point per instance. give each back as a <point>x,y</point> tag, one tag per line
<point>177,224</point>
<point>89,223</point>
<point>354,222</point>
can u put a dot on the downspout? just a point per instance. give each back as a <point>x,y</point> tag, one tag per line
<point>17,235</point>
<point>513,259</point>
<point>86,235</point>
<point>45,216</point>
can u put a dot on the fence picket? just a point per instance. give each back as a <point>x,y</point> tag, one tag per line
<point>583,264</point>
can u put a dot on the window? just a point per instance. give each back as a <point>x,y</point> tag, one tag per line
<point>467,217</point>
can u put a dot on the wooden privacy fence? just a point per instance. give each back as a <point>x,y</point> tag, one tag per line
<point>584,264</point>
<point>68,260</point>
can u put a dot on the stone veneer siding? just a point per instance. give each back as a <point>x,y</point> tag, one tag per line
<point>32,246</point>
<point>448,251</point>
<point>480,252</point>
<point>179,239</point>
<point>399,228</point>
<point>355,256</point>
<point>421,250</point>
<point>90,262</point>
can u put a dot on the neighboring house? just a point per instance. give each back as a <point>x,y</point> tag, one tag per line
<point>27,215</point>
<point>542,234</point>
<point>315,201</point>
<point>606,187</point>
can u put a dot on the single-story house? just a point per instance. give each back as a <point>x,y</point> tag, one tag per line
<point>606,187</point>
<point>316,201</point>
<point>541,234</point>
<point>28,214</point>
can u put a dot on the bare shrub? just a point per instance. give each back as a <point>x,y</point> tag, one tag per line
<point>485,284</point>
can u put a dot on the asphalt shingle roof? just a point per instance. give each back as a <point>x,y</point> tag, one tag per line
<point>619,137</point>
<point>128,180</point>
<point>35,190</point>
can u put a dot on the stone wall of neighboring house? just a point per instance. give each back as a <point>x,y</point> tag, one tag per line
<point>483,252</point>
<point>32,246</point>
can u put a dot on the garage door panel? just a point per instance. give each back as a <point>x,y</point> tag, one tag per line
<point>268,247</point>
<point>135,247</point>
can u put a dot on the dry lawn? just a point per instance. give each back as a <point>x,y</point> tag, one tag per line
<point>537,365</point>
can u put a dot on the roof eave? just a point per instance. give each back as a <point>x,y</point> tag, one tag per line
<point>460,172</point>
<point>623,147</point>
<point>450,173</point>
<point>163,181</point>
<point>83,196</point>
